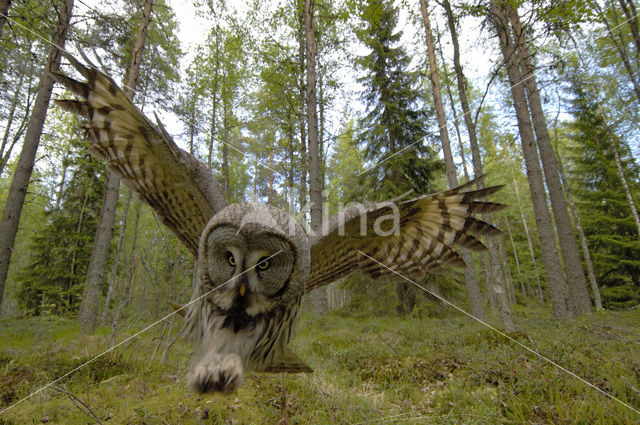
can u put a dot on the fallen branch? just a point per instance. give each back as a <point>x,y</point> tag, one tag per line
<point>81,405</point>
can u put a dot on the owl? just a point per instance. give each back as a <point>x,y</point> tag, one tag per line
<point>254,261</point>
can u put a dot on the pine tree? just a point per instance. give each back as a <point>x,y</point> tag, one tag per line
<point>54,279</point>
<point>395,122</point>
<point>604,208</point>
<point>394,128</point>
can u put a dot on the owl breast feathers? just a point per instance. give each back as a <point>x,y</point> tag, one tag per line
<point>255,262</point>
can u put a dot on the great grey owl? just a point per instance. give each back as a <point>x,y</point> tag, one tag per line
<point>255,261</point>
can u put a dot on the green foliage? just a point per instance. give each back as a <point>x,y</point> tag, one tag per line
<point>604,208</point>
<point>371,370</point>
<point>395,121</point>
<point>60,251</point>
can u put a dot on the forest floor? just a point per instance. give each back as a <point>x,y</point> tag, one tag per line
<point>368,370</point>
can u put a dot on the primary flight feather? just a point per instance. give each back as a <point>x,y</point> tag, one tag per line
<point>255,262</point>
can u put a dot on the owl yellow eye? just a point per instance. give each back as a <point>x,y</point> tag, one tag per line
<point>263,263</point>
<point>231,259</point>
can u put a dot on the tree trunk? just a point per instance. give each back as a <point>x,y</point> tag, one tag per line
<point>319,296</point>
<point>631,14</point>
<point>530,244</point>
<point>214,101</point>
<point>583,243</point>
<point>456,125</point>
<point>620,170</point>
<point>226,180</point>
<point>5,151</point>
<point>620,47</point>
<point>89,307</point>
<point>4,11</point>
<point>116,259</point>
<point>20,183</point>
<point>302,96</point>
<point>579,300</point>
<point>473,289</point>
<point>495,278</point>
<point>553,269</point>
<point>127,291</point>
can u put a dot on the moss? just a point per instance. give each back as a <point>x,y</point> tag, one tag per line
<point>376,369</point>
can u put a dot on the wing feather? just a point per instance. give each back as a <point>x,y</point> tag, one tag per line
<point>428,229</point>
<point>180,188</point>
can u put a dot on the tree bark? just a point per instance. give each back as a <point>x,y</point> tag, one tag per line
<point>7,147</point>
<point>583,243</point>
<point>620,47</point>
<point>214,101</point>
<point>625,184</point>
<point>579,300</point>
<point>302,91</point>
<point>226,179</point>
<point>470,275</point>
<point>631,14</point>
<point>4,11</point>
<point>530,245</point>
<point>319,296</point>
<point>18,190</point>
<point>494,275</point>
<point>116,259</point>
<point>96,271</point>
<point>555,279</point>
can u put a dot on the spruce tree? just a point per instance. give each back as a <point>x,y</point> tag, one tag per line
<point>395,124</point>
<point>394,129</point>
<point>54,279</point>
<point>605,212</point>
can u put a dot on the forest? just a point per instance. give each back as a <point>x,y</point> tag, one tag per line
<point>310,106</point>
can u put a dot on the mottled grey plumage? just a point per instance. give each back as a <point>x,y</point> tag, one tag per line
<point>254,261</point>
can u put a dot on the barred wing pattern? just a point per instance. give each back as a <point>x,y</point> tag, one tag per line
<point>422,238</point>
<point>181,189</point>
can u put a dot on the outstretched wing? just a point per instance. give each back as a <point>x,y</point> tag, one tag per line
<point>181,189</point>
<point>409,238</point>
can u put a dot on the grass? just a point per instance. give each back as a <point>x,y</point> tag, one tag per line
<point>369,370</point>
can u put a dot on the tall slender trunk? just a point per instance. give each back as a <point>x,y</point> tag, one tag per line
<point>226,180</point>
<point>116,259</point>
<point>4,11</point>
<point>63,178</point>
<point>214,101</point>
<point>523,287</point>
<point>96,271</point>
<point>631,14</point>
<point>302,90</point>
<point>4,155</point>
<point>530,245</point>
<point>493,273</point>
<point>456,123</point>
<point>192,128</point>
<point>583,244</point>
<point>550,257</point>
<point>495,278</point>
<point>620,170</point>
<point>620,47</point>
<point>5,151</point>
<point>319,296</point>
<point>127,290</point>
<point>579,300</point>
<point>18,190</point>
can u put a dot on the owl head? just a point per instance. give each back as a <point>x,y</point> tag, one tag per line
<point>258,253</point>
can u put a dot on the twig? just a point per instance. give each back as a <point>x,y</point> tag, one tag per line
<point>83,407</point>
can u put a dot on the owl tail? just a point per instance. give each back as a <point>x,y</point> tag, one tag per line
<point>288,362</point>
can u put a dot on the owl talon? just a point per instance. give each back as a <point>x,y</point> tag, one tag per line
<point>223,374</point>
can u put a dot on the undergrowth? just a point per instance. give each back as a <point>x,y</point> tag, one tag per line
<point>448,370</point>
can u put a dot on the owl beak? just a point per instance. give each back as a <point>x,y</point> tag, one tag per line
<point>243,289</point>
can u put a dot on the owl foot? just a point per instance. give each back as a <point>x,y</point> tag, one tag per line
<point>222,373</point>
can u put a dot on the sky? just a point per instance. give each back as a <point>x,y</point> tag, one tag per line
<point>193,29</point>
